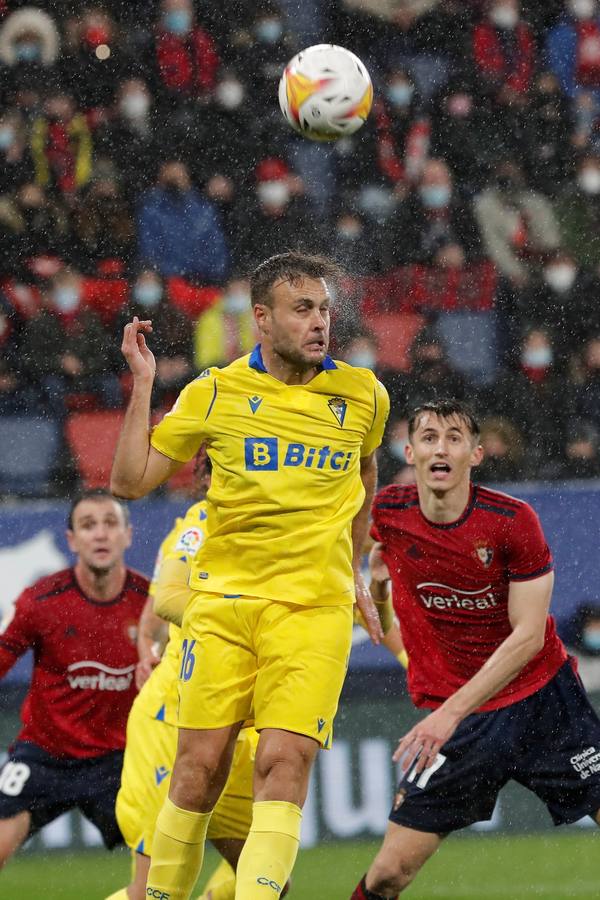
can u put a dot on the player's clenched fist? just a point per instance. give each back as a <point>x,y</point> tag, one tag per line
<point>140,358</point>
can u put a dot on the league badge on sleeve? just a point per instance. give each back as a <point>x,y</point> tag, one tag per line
<point>190,540</point>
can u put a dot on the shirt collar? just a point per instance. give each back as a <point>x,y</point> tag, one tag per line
<point>256,362</point>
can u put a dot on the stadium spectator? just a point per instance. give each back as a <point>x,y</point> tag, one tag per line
<point>492,681</point>
<point>585,399</point>
<point>503,452</point>
<point>34,226</point>
<point>29,49</point>
<point>580,454</point>
<point>226,329</point>
<point>277,215</point>
<point>351,243</point>
<point>532,395</point>
<point>392,458</point>
<point>16,165</point>
<point>94,59</point>
<point>431,374</point>
<point>81,622</point>
<point>573,49</point>
<point>66,352</point>
<point>178,230</point>
<point>293,321</point>
<point>186,58</point>
<point>103,223</point>
<point>583,641</point>
<point>171,332</point>
<point>263,47</point>
<point>13,394</point>
<point>517,224</point>
<point>433,218</point>
<point>578,212</point>
<point>131,137</point>
<point>61,145</point>
<point>545,139</point>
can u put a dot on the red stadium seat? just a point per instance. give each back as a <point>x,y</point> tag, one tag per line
<point>92,438</point>
<point>106,296</point>
<point>395,333</point>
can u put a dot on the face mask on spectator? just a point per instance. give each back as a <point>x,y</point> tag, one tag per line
<point>147,294</point>
<point>589,180</point>
<point>350,232</point>
<point>400,94</point>
<point>435,196</point>
<point>504,16</point>
<point>135,105</point>
<point>375,202</point>
<point>398,449</point>
<point>273,193</point>
<point>229,94</point>
<point>560,276</point>
<point>236,302</point>
<point>177,21</point>
<point>269,31</point>
<point>65,299</point>
<point>537,358</point>
<point>591,639</point>
<point>7,136</point>
<point>27,51</point>
<point>364,359</point>
<point>582,9</point>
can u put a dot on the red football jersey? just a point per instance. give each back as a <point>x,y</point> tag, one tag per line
<point>85,655</point>
<point>450,586</point>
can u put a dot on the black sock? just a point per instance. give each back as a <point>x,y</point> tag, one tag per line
<point>370,895</point>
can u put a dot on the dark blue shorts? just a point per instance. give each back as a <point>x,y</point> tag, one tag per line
<point>548,742</point>
<point>34,781</point>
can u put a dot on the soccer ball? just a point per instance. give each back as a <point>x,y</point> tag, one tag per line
<point>325,92</point>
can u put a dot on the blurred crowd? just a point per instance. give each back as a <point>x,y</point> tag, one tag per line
<point>145,168</point>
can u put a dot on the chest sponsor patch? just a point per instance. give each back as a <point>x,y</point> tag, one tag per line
<point>434,595</point>
<point>91,675</point>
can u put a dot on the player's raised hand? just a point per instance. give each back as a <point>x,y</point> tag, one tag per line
<point>368,610</point>
<point>425,740</point>
<point>140,358</point>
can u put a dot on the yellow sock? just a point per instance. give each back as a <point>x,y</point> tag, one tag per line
<point>120,895</point>
<point>270,850</point>
<point>221,885</point>
<point>177,852</point>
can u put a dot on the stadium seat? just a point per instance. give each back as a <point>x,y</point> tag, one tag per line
<point>28,453</point>
<point>395,333</point>
<point>471,343</point>
<point>92,438</point>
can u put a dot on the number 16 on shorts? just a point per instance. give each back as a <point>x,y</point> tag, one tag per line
<point>188,660</point>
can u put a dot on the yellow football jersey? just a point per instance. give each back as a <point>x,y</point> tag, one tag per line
<point>158,698</point>
<point>286,475</point>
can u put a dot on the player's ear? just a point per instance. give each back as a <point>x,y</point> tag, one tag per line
<point>129,533</point>
<point>410,459</point>
<point>477,455</point>
<point>71,540</point>
<point>262,316</point>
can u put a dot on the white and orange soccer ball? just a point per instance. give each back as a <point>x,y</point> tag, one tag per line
<point>325,92</point>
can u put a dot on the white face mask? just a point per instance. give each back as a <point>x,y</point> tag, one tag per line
<point>273,193</point>
<point>582,9</point>
<point>589,180</point>
<point>504,16</point>
<point>229,94</point>
<point>560,276</point>
<point>135,105</point>
<point>236,302</point>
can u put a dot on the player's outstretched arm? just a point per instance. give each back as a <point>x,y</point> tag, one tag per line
<point>528,604</point>
<point>360,530</point>
<point>137,467</point>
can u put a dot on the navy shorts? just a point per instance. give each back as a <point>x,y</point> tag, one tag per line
<point>33,780</point>
<point>548,742</point>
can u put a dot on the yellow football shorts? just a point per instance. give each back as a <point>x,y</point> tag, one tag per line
<point>281,664</point>
<point>147,766</point>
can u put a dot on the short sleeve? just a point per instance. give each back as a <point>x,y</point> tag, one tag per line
<point>374,529</point>
<point>183,429</point>
<point>529,556</point>
<point>17,632</point>
<point>381,410</point>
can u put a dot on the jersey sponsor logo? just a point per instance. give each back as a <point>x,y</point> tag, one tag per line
<point>266,453</point>
<point>483,554</point>
<point>338,407</point>
<point>254,403</point>
<point>102,678</point>
<point>443,596</point>
<point>190,540</point>
<point>268,882</point>
<point>586,763</point>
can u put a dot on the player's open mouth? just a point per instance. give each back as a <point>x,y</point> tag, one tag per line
<point>439,469</point>
<point>316,345</point>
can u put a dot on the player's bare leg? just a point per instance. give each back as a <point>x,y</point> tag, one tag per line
<point>282,766</point>
<point>403,853</point>
<point>13,832</point>
<point>201,768</point>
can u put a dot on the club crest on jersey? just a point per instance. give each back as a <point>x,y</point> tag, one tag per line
<point>483,554</point>
<point>338,407</point>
